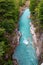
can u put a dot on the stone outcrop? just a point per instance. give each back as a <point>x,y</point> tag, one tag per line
<point>38,40</point>
<point>22,8</point>
<point>16,38</point>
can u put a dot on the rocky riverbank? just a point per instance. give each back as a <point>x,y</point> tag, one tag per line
<point>38,43</point>
<point>37,37</point>
<point>22,8</point>
<point>16,37</point>
<point>32,29</point>
<point>15,43</point>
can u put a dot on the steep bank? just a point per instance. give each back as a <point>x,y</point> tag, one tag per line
<point>38,42</point>
<point>22,8</point>
<point>37,18</point>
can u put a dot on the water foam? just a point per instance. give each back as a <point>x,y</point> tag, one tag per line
<point>25,42</point>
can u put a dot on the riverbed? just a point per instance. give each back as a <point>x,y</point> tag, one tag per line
<point>25,53</point>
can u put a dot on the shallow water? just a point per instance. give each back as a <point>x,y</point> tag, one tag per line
<point>25,52</point>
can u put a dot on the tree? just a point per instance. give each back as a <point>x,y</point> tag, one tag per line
<point>2,51</point>
<point>22,2</point>
<point>2,31</point>
<point>40,10</point>
<point>32,6</point>
<point>8,15</point>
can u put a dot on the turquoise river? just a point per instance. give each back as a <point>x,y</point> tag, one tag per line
<point>25,52</point>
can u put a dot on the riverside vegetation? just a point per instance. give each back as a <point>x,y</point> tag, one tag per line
<point>9,16</point>
<point>36,8</point>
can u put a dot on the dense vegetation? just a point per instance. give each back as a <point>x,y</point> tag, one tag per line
<point>21,2</point>
<point>9,15</point>
<point>8,20</point>
<point>36,7</point>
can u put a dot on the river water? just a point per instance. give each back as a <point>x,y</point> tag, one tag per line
<point>25,53</point>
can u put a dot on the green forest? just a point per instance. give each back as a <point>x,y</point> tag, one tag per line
<point>36,7</point>
<point>9,17</point>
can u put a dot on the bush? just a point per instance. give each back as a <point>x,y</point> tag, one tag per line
<point>2,51</point>
<point>8,15</point>
<point>40,11</point>
<point>36,7</point>
<point>21,2</point>
<point>8,25</point>
<point>32,6</point>
<point>2,31</point>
